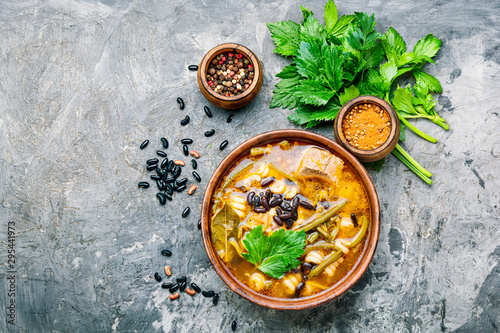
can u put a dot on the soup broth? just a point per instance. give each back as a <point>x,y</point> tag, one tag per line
<point>312,182</point>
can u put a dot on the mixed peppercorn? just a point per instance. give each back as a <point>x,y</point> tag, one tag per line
<point>230,74</point>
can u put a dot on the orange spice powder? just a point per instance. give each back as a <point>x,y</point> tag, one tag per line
<point>366,126</point>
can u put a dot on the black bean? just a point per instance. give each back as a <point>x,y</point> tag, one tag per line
<point>151,167</point>
<point>268,194</point>
<point>161,153</point>
<point>155,177</point>
<point>185,150</point>
<point>261,194</point>
<point>186,211</point>
<point>174,185</point>
<point>304,278</point>
<point>166,253</point>
<point>177,171</point>
<point>256,201</point>
<point>143,184</point>
<point>285,216</point>
<point>286,206</point>
<point>267,181</point>
<point>152,161</point>
<point>289,223</point>
<point>207,111</point>
<point>182,286</point>
<point>161,197</point>
<point>230,118</point>
<point>181,279</point>
<point>223,144</point>
<point>209,293</point>
<point>181,103</point>
<point>299,288</point>
<point>157,277</point>
<point>144,144</point>
<point>196,176</point>
<point>185,121</point>
<point>168,196</point>
<point>233,326</point>
<point>195,287</point>
<point>275,202</point>
<point>169,179</point>
<point>295,271</point>
<point>199,224</point>
<point>164,143</point>
<point>279,211</point>
<point>260,210</point>
<point>166,285</point>
<point>187,141</point>
<point>306,205</point>
<point>307,266</point>
<point>354,220</point>
<point>180,188</point>
<point>164,163</point>
<point>174,288</point>
<point>295,215</point>
<point>215,300</point>
<point>265,203</point>
<point>250,196</point>
<point>277,196</point>
<point>295,202</point>
<point>159,183</point>
<point>193,67</point>
<point>181,182</point>
<point>277,220</point>
<point>162,173</point>
<point>209,133</point>
<point>194,164</point>
<point>170,166</point>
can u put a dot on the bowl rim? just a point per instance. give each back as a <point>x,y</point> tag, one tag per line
<point>222,48</point>
<point>391,141</point>
<point>284,303</point>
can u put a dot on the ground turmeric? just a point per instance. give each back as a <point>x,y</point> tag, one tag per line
<point>366,126</point>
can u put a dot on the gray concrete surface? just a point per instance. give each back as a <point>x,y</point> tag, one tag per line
<point>83,83</point>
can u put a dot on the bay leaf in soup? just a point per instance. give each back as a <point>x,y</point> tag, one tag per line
<point>224,227</point>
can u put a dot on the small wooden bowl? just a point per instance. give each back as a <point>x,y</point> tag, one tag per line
<point>289,303</point>
<point>379,152</point>
<point>231,102</point>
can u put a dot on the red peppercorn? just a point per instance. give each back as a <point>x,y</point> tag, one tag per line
<point>221,62</point>
<point>231,54</point>
<point>239,56</point>
<point>250,66</point>
<point>210,83</point>
<point>223,59</point>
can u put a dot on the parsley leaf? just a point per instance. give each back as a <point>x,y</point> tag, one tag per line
<point>428,46</point>
<point>285,35</point>
<point>393,44</point>
<point>348,94</point>
<point>331,15</point>
<point>428,80</point>
<point>284,94</point>
<point>276,254</point>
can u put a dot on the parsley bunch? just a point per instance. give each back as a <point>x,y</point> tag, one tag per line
<point>346,58</point>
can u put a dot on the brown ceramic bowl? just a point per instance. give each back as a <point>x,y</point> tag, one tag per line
<point>283,303</point>
<point>231,102</point>
<point>379,152</point>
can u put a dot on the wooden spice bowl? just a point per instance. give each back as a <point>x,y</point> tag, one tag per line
<point>230,102</point>
<point>290,303</point>
<point>385,148</point>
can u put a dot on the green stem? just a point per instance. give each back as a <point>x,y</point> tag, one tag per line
<point>412,167</point>
<point>435,119</point>
<point>412,161</point>
<point>416,130</point>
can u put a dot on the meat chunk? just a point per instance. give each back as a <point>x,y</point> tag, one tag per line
<point>320,163</point>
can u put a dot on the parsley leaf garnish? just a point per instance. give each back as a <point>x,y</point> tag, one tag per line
<point>276,254</point>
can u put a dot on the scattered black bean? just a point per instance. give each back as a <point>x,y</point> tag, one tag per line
<point>209,133</point>
<point>169,179</point>
<point>164,163</point>
<point>185,150</point>
<point>182,286</point>
<point>168,196</point>
<point>194,164</point>
<point>306,205</point>
<point>180,188</point>
<point>250,196</point>
<point>267,181</point>
<point>170,166</point>
<point>262,194</point>
<point>277,220</point>
<point>299,288</point>
<point>162,173</point>
<point>295,202</point>
<point>233,326</point>
<point>230,118</point>
<point>155,177</point>
<point>215,300</point>
<point>289,223</point>
<point>279,211</point>
<point>177,171</point>
<point>164,143</point>
<point>196,176</point>
<point>199,224</point>
<point>260,210</point>
<point>181,182</point>
<point>159,183</point>
<point>174,288</point>
<point>275,202</point>
<point>285,216</point>
<point>209,293</point>
<point>193,67</point>
<point>286,206</point>
<point>307,266</point>
<point>157,277</point>
<point>207,111</point>
<point>161,197</point>
<point>354,220</point>
<point>185,121</point>
<point>181,103</point>
<point>256,201</point>
<point>166,285</point>
<point>195,287</point>
<point>152,161</point>
<point>186,211</point>
<point>295,215</point>
<point>181,279</point>
<point>144,144</point>
<point>223,144</point>
<point>265,203</point>
<point>151,167</point>
<point>166,253</point>
<point>161,153</point>
<point>268,194</point>
<point>187,141</point>
<point>143,184</point>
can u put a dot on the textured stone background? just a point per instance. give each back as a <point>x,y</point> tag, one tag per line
<point>83,83</point>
